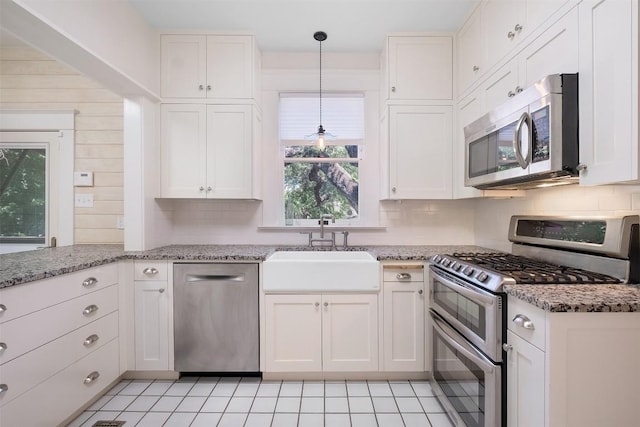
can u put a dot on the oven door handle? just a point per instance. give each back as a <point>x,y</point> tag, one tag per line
<point>472,295</point>
<point>471,353</point>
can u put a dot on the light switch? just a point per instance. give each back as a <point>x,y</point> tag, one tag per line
<point>84,200</point>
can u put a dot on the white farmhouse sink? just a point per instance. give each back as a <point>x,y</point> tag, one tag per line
<point>321,271</point>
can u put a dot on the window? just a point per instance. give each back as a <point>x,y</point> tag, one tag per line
<point>316,181</point>
<point>29,193</point>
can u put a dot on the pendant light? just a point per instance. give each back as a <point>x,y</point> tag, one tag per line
<point>320,36</point>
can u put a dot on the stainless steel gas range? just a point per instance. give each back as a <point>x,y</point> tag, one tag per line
<point>468,306</point>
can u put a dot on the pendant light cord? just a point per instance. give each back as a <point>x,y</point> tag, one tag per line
<point>320,83</point>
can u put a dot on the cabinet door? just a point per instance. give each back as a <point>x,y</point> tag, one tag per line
<point>555,51</point>
<point>403,326</point>
<point>183,66</point>
<point>472,53</point>
<point>608,87</point>
<point>229,151</point>
<point>501,85</point>
<point>500,18</point>
<point>230,67</point>
<point>293,333</point>
<point>151,325</point>
<point>183,151</point>
<point>420,143</point>
<point>350,333</point>
<point>420,67</point>
<point>539,10</point>
<point>525,383</point>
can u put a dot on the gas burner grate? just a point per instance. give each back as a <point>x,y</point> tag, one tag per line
<point>531,271</point>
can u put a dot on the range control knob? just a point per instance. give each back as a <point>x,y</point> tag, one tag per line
<point>436,258</point>
<point>458,267</point>
<point>482,277</point>
<point>453,265</point>
<point>445,262</point>
<point>468,271</point>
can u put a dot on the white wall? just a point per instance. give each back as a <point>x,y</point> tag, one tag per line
<point>492,216</point>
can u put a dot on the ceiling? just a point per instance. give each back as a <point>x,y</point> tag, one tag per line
<point>288,25</point>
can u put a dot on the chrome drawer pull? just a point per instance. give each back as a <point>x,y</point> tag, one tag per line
<point>90,340</point>
<point>420,291</point>
<point>92,377</point>
<point>90,309</point>
<point>403,276</point>
<point>523,321</point>
<point>3,347</point>
<point>150,271</point>
<point>90,281</point>
<point>3,388</point>
<point>3,308</point>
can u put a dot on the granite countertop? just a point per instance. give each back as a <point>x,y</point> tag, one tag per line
<point>579,298</point>
<point>28,266</point>
<point>24,267</point>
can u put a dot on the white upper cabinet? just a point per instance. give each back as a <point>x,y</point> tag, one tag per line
<point>419,68</point>
<point>420,142</point>
<point>472,51</point>
<point>207,151</point>
<point>208,66</point>
<point>608,88</point>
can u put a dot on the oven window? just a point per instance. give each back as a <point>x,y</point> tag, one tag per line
<point>461,381</point>
<point>469,313</point>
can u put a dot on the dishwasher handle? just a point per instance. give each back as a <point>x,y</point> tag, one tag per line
<point>215,278</point>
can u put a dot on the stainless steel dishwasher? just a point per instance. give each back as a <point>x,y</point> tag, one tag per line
<point>216,317</point>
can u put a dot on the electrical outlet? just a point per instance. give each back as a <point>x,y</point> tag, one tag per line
<point>84,200</point>
<point>120,222</point>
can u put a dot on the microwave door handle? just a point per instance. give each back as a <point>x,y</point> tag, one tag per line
<point>517,140</point>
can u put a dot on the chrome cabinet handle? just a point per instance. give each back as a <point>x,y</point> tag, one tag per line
<point>511,94</point>
<point>581,167</point>
<point>476,68</point>
<point>317,304</point>
<point>393,189</point>
<point>519,89</point>
<point>517,28</point>
<point>3,347</point>
<point>393,88</point>
<point>511,35</point>
<point>326,304</point>
<point>201,189</point>
<point>161,290</point>
<point>403,276</point>
<point>523,321</point>
<point>89,281</point>
<point>3,308</point>
<point>208,87</point>
<point>420,291</point>
<point>92,377</point>
<point>507,347</point>
<point>90,340</point>
<point>3,389</point>
<point>150,271</point>
<point>209,189</point>
<point>201,87</point>
<point>90,309</point>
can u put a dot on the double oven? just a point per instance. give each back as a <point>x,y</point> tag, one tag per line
<point>468,304</point>
<point>467,330</point>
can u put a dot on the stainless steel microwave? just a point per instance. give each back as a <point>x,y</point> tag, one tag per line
<point>529,141</point>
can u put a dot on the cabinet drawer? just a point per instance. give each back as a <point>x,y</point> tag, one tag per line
<point>29,297</point>
<point>403,274</point>
<point>150,270</point>
<point>40,407</point>
<point>31,331</point>
<point>520,314</point>
<point>25,372</point>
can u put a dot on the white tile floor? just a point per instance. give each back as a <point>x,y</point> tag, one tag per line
<point>250,402</point>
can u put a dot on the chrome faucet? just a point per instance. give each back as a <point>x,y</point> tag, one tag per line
<point>323,218</point>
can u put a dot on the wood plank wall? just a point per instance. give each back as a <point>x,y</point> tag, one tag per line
<point>30,80</point>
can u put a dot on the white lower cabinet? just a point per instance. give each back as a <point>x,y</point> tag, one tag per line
<point>403,320</point>
<point>151,326</point>
<point>314,333</point>
<point>572,369</point>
